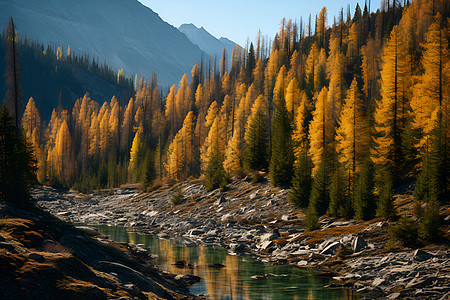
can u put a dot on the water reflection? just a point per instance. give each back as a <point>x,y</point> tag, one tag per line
<point>241,278</point>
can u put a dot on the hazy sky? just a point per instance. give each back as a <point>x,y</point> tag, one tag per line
<point>239,19</point>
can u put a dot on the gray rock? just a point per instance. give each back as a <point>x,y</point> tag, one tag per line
<point>302,263</point>
<point>417,283</point>
<point>36,257</point>
<point>371,292</point>
<point>194,232</point>
<point>358,244</point>
<point>220,200</point>
<point>394,296</point>
<point>133,290</point>
<point>378,281</point>
<point>331,248</point>
<point>7,246</point>
<point>90,231</point>
<point>188,279</point>
<point>265,245</point>
<point>270,236</point>
<point>226,217</point>
<point>421,255</point>
<point>237,248</point>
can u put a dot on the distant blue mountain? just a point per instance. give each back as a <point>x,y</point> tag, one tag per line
<point>125,33</point>
<point>206,41</point>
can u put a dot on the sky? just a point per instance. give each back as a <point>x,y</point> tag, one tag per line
<point>239,19</point>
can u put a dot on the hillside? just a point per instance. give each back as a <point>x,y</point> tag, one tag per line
<point>127,34</point>
<point>206,41</point>
<point>55,260</point>
<point>45,78</point>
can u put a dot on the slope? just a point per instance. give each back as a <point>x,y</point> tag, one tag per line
<point>125,33</point>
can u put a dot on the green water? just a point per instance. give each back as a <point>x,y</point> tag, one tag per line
<point>234,281</point>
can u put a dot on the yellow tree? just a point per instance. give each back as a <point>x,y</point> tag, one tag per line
<point>135,156</point>
<point>311,68</point>
<point>62,153</point>
<point>234,154</point>
<point>171,111</point>
<point>31,123</point>
<point>114,125</point>
<point>431,92</point>
<point>127,126</point>
<point>431,116</point>
<point>281,83</point>
<point>370,66</point>
<point>352,137</point>
<point>182,100</point>
<point>391,109</point>
<point>321,132</point>
<point>335,68</point>
<point>300,132</point>
<point>293,95</point>
<point>104,129</point>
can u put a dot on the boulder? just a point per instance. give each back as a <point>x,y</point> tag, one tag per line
<point>421,255</point>
<point>7,246</point>
<point>265,245</point>
<point>220,200</point>
<point>195,232</point>
<point>270,236</point>
<point>378,281</point>
<point>188,279</point>
<point>237,248</point>
<point>36,257</point>
<point>216,266</point>
<point>331,248</point>
<point>226,217</point>
<point>358,244</point>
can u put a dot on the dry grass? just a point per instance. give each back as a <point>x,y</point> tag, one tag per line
<point>318,236</point>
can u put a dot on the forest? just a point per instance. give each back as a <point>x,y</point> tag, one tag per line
<point>343,115</point>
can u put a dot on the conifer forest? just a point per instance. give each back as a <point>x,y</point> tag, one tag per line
<point>321,154</point>
<point>342,115</point>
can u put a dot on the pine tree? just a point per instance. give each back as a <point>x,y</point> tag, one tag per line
<point>14,92</point>
<point>282,159</point>
<point>340,202</point>
<point>256,138</point>
<point>364,204</point>
<point>301,181</point>
<point>17,163</point>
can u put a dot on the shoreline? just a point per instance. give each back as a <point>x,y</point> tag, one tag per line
<point>256,220</point>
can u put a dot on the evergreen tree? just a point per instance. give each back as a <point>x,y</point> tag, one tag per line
<point>256,139</point>
<point>14,92</point>
<point>17,163</point>
<point>282,159</point>
<point>301,181</point>
<point>364,204</point>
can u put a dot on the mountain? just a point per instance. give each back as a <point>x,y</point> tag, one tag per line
<point>206,41</point>
<point>125,33</point>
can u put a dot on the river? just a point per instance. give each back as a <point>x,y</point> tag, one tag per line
<point>241,278</point>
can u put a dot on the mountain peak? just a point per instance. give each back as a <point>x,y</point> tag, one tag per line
<point>206,41</point>
<point>115,34</point>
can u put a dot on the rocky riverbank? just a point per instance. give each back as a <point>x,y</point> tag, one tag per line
<point>256,219</point>
<point>42,257</point>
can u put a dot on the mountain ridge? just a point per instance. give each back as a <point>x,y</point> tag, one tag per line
<point>127,34</point>
<point>206,41</point>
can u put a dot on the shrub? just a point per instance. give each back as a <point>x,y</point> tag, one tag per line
<point>429,224</point>
<point>404,232</point>
<point>177,198</point>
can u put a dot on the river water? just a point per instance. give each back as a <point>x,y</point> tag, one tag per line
<point>241,278</point>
